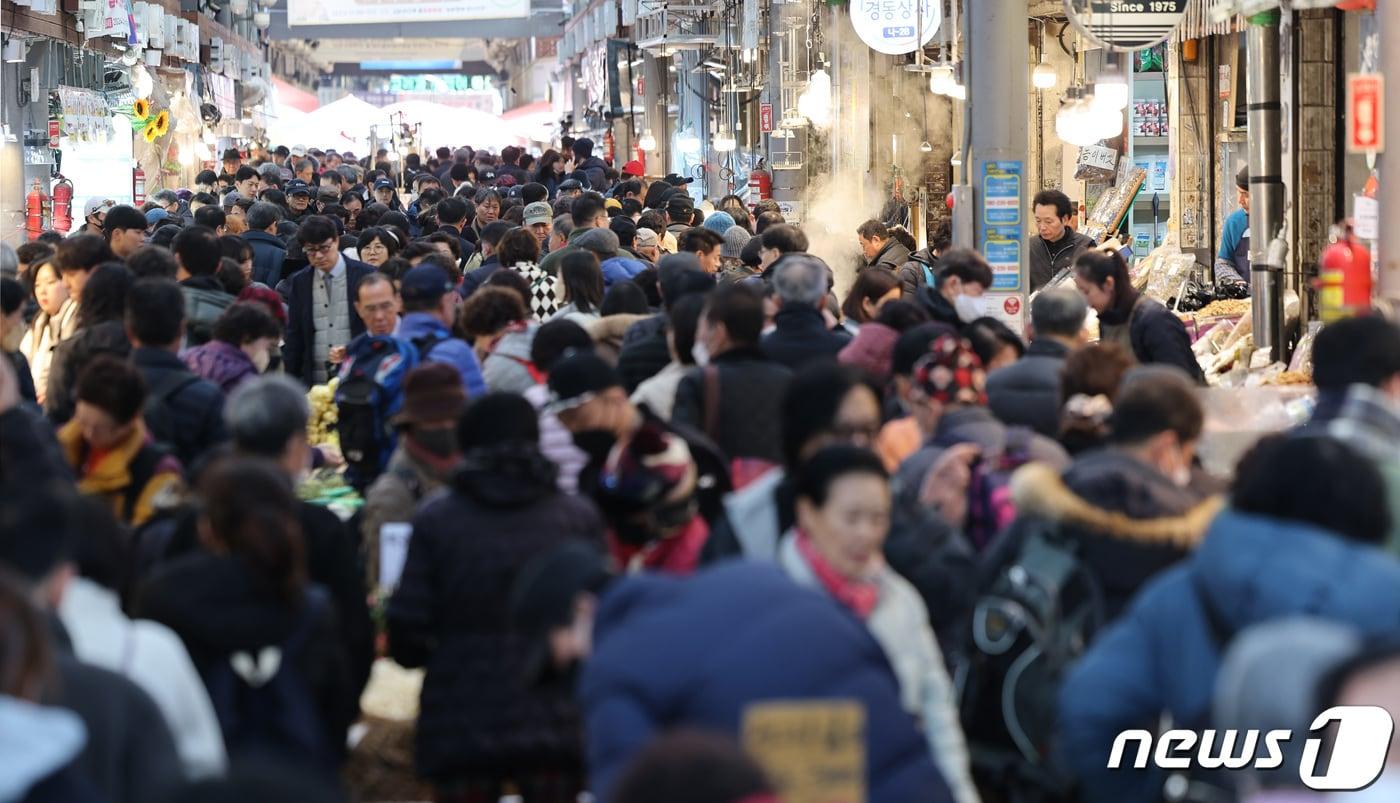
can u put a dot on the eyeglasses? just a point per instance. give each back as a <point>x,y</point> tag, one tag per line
<point>316,250</point>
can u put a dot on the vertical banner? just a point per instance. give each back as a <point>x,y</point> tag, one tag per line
<point>1002,209</point>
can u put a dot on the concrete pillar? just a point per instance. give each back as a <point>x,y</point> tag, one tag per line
<point>1265,180</point>
<point>1389,288</point>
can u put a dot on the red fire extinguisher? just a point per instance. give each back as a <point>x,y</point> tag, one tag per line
<point>609,147</point>
<point>760,185</point>
<point>36,206</point>
<point>1344,280</point>
<point>138,186</point>
<point>62,204</point>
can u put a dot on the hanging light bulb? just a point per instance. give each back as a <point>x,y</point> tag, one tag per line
<point>647,142</point>
<point>723,142</point>
<point>940,79</point>
<point>262,19</point>
<point>1073,122</point>
<point>687,141</point>
<point>926,147</point>
<point>1044,76</point>
<point>1111,87</point>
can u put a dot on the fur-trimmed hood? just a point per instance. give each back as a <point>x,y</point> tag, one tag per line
<point>1138,507</point>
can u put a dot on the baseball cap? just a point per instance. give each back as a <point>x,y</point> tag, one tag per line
<point>537,212</point>
<point>625,230</point>
<point>570,184</point>
<point>542,598</point>
<point>634,168</point>
<point>612,203</point>
<point>425,283</point>
<point>646,238</point>
<point>383,184</point>
<point>231,200</point>
<point>678,181</point>
<point>603,242</point>
<point>298,150</point>
<point>1242,178</point>
<point>577,378</point>
<point>297,187</point>
<point>94,205</point>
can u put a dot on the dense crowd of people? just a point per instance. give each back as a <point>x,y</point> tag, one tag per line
<point>658,473</point>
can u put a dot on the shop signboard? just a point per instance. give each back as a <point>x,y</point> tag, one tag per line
<point>1009,308</point>
<point>1001,218</point>
<point>1365,113</point>
<point>1126,25</point>
<point>792,211</point>
<point>893,26</point>
<point>346,12</point>
<point>765,118</point>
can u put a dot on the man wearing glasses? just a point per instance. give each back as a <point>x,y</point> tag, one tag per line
<point>94,215</point>
<point>321,315</point>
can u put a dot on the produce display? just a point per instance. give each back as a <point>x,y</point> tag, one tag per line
<point>1222,308</point>
<point>320,427</point>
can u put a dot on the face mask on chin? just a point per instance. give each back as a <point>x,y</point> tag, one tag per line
<point>969,308</point>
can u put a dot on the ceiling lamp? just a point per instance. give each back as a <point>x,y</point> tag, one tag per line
<point>941,80</point>
<point>724,142</point>
<point>1044,76</point>
<point>926,147</point>
<point>1105,117</point>
<point>647,142</point>
<point>1073,122</point>
<point>262,19</point>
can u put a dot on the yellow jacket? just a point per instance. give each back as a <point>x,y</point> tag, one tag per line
<point>111,477</point>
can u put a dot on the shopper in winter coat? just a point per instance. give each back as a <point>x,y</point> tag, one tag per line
<point>735,394</point>
<point>430,308</point>
<point>100,331</point>
<point>244,339</point>
<point>1055,246</point>
<point>922,268</point>
<point>1132,508</point>
<point>707,652</point>
<point>658,392</point>
<point>146,652</point>
<point>843,511</point>
<point>109,450</point>
<point>247,614</point>
<point>645,351</point>
<point>478,723</point>
<point>56,321</point>
<point>1299,539</point>
<point>495,321</point>
<point>1027,392</point>
<point>269,251</point>
<point>956,299</point>
<point>425,457</point>
<point>1140,324</point>
<point>879,247</point>
<point>800,333</point>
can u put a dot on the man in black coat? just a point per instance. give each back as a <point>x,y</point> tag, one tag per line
<point>644,348</point>
<point>1027,392</point>
<point>319,237</point>
<point>197,255</point>
<point>735,398</point>
<point>879,247</point>
<point>183,412</point>
<point>269,251</point>
<point>1055,245</point>
<point>800,336</point>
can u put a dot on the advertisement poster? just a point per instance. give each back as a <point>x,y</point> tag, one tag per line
<point>347,12</point>
<point>1001,218</point>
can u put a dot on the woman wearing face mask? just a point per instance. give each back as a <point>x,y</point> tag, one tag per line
<point>57,321</point>
<point>837,547</point>
<point>245,336</point>
<point>479,726</point>
<point>1142,325</point>
<point>963,277</point>
<point>1138,505</point>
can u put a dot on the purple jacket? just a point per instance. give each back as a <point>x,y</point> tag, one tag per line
<point>221,363</point>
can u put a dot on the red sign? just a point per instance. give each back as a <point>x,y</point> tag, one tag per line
<point>53,134</point>
<point>1365,113</point>
<point>1012,305</point>
<point>641,87</point>
<point>765,118</point>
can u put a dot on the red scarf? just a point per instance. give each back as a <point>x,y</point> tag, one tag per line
<point>678,553</point>
<point>859,596</point>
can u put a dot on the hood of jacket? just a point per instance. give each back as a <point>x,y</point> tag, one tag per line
<point>892,253</point>
<point>1039,490</point>
<point>254,236</point>
<point>420,324</point>
<point>508,475</point>
<point>36,741</point>
<point>1254,568</point>
<point>516,345</point>
<point>612,327</point>
<point>939,308</point>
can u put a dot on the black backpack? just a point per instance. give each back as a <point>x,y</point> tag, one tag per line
<point>159,413</point>
<point>369,394</point>
<point>264,703</point>
<point>1034,618</point>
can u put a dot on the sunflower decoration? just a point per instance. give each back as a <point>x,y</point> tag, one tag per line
<point>149,133</point>
<point>141,109</point>
<point>163,123</point>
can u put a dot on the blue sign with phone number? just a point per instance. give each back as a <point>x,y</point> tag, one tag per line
<point>1001,218</point>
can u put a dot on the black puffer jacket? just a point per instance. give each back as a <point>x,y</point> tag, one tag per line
<point>892,256</point>
<point>920,271</point>
<point>1026,393</point>
<point>800,336</point>
<point>183,412</point>
<point>72,356</point>
<point>450,615</point>
<point>747,392</point>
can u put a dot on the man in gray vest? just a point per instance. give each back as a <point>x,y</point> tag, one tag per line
<point>321,317</point>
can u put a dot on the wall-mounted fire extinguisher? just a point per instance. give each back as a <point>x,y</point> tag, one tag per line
<point>138,186</point>
<point>36,206</point>
<point>760,184</point>
<point>1343,280</point>
<point>62,204</point>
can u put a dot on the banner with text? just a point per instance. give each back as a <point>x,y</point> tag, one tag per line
<point>348,12</point>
